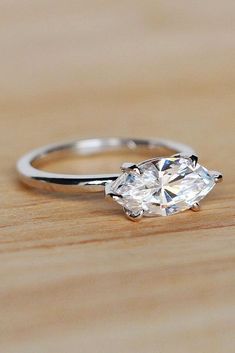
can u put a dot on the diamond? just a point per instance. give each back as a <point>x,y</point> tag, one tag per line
<point>161,186</point>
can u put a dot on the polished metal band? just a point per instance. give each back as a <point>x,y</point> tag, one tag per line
<point>34,177</point>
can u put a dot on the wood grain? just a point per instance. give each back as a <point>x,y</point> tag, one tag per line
<point>75,275</point>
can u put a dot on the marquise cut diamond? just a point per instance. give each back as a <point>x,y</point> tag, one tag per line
<point>162,186</point>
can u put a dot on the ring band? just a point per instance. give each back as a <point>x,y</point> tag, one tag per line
<point>34,177</point>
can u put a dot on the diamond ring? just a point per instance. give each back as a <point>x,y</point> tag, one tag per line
<point>160,186</point>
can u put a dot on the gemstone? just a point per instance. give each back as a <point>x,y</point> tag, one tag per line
<point>162,186</point>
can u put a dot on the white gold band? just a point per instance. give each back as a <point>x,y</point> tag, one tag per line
<point>34,177</point>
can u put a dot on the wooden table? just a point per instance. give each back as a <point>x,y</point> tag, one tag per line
<point>75,275</point>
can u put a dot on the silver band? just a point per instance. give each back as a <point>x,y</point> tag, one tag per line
<point>34,177</point>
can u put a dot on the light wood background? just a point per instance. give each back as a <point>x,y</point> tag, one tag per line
<point>75,275</point>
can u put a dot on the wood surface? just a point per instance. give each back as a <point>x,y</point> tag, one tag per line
<point>75,275</point>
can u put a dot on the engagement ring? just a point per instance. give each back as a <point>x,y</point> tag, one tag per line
<point>160,186</point>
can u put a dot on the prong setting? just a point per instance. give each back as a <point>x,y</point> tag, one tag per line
<point>195,207</point>
<point>133,216</point>
<point>217,176</point>
<point>193,157</point>
<point>130,167</point>
<point>110,194</point>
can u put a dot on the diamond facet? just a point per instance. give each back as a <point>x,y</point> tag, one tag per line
<point>162,186</point>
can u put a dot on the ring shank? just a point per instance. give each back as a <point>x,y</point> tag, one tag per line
<point>71,183</point>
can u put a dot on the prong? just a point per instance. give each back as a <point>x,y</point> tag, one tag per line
<point>135,217</point>
<point>195,207</point>
<point>115,197</point>
<point>110,194</point>
<point>217,176</point>
<point>193,157</point>
<point>128,167</point>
